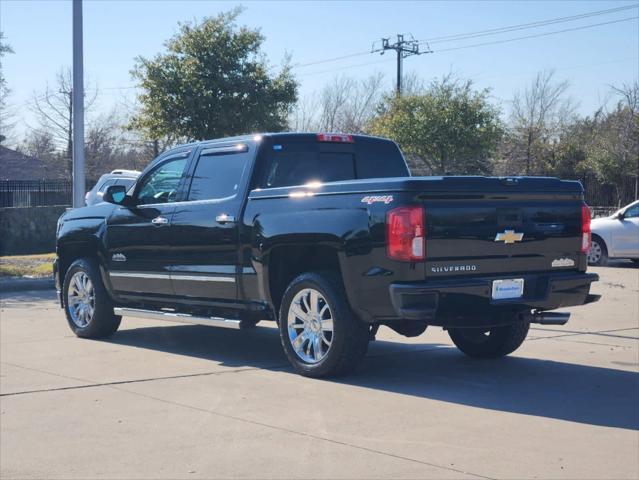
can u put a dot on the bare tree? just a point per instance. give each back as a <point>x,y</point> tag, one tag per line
<point>345,105</point>
<point>412,84</point>
<point>333,101</point>
<point>613,152</point>
<point>39,144</point>
<point>629,93</point>
<point>360,108</point>
<point>537,113</point>
<point>54,110</point>
<point>304,115</point>
<point>6,114</point>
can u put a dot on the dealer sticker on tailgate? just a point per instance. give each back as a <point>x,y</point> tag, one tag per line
<point>511,288</point>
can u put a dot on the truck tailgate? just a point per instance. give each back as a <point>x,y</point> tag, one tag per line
<point>506,230</point>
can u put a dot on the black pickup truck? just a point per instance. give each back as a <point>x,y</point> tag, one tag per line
<point>331,237</point>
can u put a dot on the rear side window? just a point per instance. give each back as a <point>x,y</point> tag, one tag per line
<point>298,163</point>
<point>378,159</point>
<point>218,175</point>
<point>301,167</point>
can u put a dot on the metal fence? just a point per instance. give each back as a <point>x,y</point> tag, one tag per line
<point>37,193</point>
<point>607,195</point>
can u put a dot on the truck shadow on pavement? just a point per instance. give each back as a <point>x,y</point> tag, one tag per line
<point>543,388</point>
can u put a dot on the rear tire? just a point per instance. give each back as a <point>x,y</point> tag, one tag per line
<point>320,335</point>
<point>490,343</point>
<point>87,304</point>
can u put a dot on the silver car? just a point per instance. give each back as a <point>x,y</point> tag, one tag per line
<point>116,177</point>
<point>616,236</point>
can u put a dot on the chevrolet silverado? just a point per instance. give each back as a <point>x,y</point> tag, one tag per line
<point>329,236</point>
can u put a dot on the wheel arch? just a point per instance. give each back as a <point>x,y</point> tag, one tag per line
<point>69,252</point>
<point>602,240</point>
<point>288,261</point>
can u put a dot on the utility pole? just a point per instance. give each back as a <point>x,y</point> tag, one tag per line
<point>403,48</point>
<point>79,181</point>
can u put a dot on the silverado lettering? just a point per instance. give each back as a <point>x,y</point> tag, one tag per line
<point>275,227</point>
<point>454,268</point>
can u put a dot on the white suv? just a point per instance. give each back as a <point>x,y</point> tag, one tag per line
<point>116,177</point>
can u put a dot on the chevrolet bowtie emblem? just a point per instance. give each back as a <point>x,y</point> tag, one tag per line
<point>509,236</point>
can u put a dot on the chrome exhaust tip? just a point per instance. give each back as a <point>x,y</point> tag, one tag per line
<point>550,318</point>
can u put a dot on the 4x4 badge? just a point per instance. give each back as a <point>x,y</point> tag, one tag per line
<point>370,199</point>
<point>509,236</point>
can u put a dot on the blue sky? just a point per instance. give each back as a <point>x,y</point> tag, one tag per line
<point>116,32</point>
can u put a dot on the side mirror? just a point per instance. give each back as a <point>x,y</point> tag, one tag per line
<point>115,194</point>
<point>621,216</point>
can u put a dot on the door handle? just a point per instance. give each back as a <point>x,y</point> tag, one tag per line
<point>160,221</point>
<point>224,218</point>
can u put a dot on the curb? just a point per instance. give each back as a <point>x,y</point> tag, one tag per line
<point>17,284</point>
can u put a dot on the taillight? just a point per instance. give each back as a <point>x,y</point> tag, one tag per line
<point>585,228</point>
<point>406,234</point>
<point>334,137</point>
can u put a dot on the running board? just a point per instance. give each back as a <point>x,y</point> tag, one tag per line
<point>177,317</point>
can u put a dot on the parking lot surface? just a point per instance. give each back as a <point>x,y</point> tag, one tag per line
<point>159,400</point>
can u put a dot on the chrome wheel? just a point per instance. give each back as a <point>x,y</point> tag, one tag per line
<point>310,325</point>
<point>595,253</point>
<point>81,299</point>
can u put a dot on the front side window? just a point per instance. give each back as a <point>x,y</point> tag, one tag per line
<point>218,175</point>
<point>632,212</point>
<point>127,182</point>
<point>161,185</point>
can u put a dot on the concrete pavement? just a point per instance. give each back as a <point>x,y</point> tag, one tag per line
<point>159,400</point>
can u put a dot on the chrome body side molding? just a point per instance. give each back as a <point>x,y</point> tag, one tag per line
<point>173,276</point>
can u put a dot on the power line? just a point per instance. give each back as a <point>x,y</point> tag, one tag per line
<point>524,26</point>
<point>496,42</point>
<point>520,73</point>
<point>477,45</point>
<point>345,67</point>
<point>494,31</point>
<point>334,59</point>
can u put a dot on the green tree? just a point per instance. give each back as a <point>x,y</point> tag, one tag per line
<point>449,129</point>
<point>212,81</point>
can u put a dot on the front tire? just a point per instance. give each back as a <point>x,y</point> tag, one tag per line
<point>490,343</point>
<point>320,335</point>
<point>87,305</point>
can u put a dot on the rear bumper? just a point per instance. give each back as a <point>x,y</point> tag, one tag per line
<point>459,302</point>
